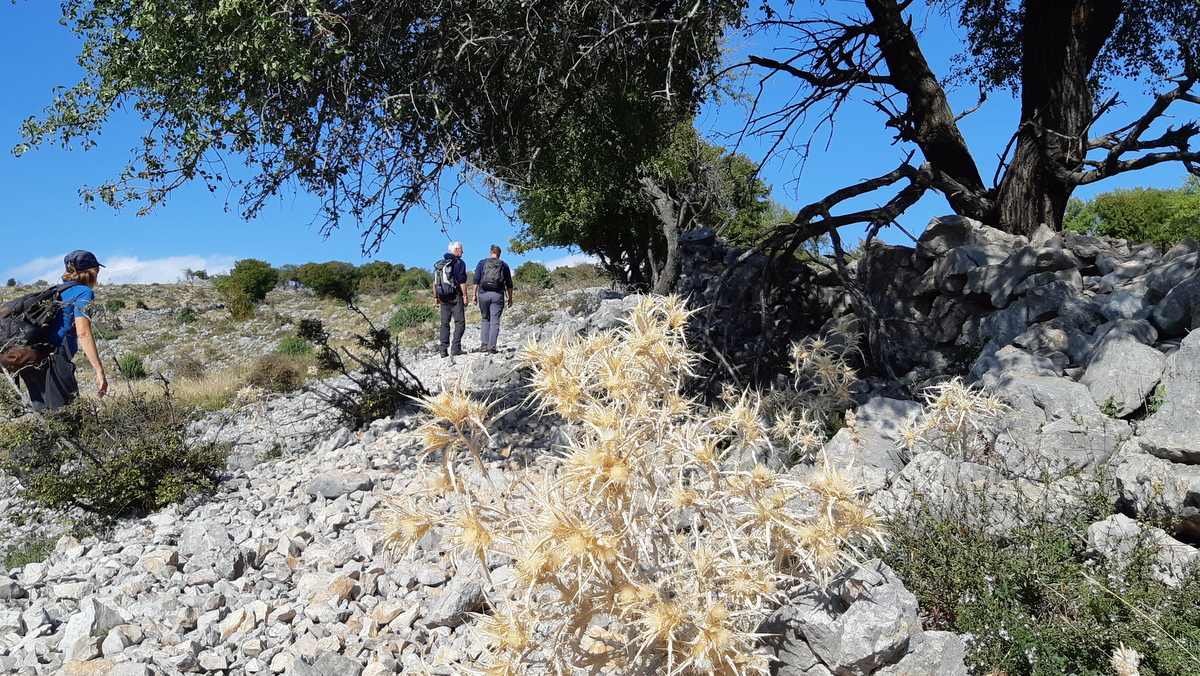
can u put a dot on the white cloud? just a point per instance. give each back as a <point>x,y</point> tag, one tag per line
<point>573,259</point>
<point>124,269</point>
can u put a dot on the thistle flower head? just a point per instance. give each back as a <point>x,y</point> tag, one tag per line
<point>1125,661</point>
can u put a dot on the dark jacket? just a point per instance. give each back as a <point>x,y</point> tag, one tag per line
<point>505,273</point>
<point>458,269</point>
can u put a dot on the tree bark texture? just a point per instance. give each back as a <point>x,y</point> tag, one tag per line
<point>1060,42</point>
<point>668,217</point>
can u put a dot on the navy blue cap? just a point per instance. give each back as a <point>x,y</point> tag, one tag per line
<point>81,260</point>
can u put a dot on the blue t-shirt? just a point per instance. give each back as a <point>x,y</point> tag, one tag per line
<point>75,302</point>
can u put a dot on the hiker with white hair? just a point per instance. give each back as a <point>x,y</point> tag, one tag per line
<point>450,294</point>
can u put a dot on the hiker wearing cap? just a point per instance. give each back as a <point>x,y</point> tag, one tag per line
<point>493,281</point>
<point>450,294</point>
<point>52,383</point>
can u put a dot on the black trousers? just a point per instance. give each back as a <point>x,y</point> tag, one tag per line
<point>458,312</point>
<point>52,384</point>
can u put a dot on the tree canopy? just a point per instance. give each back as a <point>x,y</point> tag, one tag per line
<point>369,104</point>
<point>1163,217</point>
<point>373,105</point>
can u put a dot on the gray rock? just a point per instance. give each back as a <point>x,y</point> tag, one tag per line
<point>1179,311</point>
<point>1173,432</point>
<point>87,627</point>
<point>10,590</point>
<point>1045,301</point>
<point>336,484</point>
<point>1171,271</point>
<point>1150,485</point>
<point>1122,373</point>
<point>950,232</point>
<point>869,452</point>
<point>879,618</point>
<point>450,608</point>
<point>1121,304</point>
<point>1118,538</point>
<point>1007,361</point>
<point>203,538</point>
<point>328,664</point>
<point>931,652</point>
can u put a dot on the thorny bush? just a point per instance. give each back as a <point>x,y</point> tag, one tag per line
<point>643,549</point>
<point>375,382</point>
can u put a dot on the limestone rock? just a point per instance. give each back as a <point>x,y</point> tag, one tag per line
<point>1118,537</point>
<point>336,484</point>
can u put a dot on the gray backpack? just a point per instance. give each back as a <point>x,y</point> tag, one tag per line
<point>493,275</point>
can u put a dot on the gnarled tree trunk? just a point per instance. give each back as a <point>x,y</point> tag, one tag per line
<point>1060,43</point>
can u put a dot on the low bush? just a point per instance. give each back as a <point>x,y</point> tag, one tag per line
<point>380,385</point>
<point>187,315</point>
<point>188,367</point>
<point>277,373</point>
<point>1037,602</point>
<point>409,316</point>
<point>114,305</point>
<point>27,551</point>
<point>112,457</point>
<point>293,346</point>
<point>532,275</point>
<point>1162,217</point>
<point>131,367</point>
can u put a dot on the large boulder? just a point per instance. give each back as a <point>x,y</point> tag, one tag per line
<point>1179,311</point>
<point>869,452</point>
<point>864,620</point>
<point>951,232</point>
<point>1153,486</point>
<point>1122,373</point>
<point>1173,432</point>
<point>1118,538</point>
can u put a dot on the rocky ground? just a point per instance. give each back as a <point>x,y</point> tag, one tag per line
<point>281,571</point>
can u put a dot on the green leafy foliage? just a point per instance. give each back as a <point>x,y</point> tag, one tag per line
<point>410,316</point>
<point>112,457</point>
<point>334,279</point>
<point>1037,602</point>
<point>131,367</point>
<point>114,304</point>
<point>11,282</point>
<point>319,94</point>
<point>187,315</point>
<point>246,286</point>
<point>1162,217</point>
<point>532,275</point>
<point>30,550</point>
<point>277,373</point>
<point>293,346</point>
<point>597,195</point>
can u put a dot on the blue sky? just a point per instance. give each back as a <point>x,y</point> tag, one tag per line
<point>43,216</point>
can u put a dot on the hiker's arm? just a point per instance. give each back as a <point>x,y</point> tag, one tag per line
<point>436,300</point>
<point>83,329</point>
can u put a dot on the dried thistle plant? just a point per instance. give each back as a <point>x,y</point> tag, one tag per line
<point>955,420</point>
<point>642,549</point>
<point>1125,661</point>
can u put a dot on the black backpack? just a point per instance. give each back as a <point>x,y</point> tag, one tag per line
<point>493,275</point>
<point>27,325</point>
<point>443,280</point>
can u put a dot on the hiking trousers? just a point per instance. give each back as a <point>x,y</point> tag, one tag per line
<point>458,312</point>
<point>52,383</point>
<point>491,306</point>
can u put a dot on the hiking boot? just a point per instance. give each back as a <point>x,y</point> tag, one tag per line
<point>444,353</point>
<point>456,352</point>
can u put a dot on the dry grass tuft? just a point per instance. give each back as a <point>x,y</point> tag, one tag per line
<point>643,549</point>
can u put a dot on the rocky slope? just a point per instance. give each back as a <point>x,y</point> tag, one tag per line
<point>282,571</point>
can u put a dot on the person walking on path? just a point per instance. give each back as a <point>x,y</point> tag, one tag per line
<point>450,294</point>
<point>52,383</point>
<point>493,280</point>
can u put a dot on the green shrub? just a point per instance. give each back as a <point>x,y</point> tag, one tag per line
<point>403,297</point>
<point>187,315</point>
<point>531,275</point>
<point>111,457</point>
<point>277,373</point>
<point>131,367</point>
<point>1036,602</point>
<point>293,346</point>
<point>246,285</point>
<point>416,278</point>
<point>334,279</point>
<point>1162,217</point>
<point>114,305</point>
<point>411,315</point>
<point>382,277</point>
<point>11,282</point>
<point>27,551</point>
